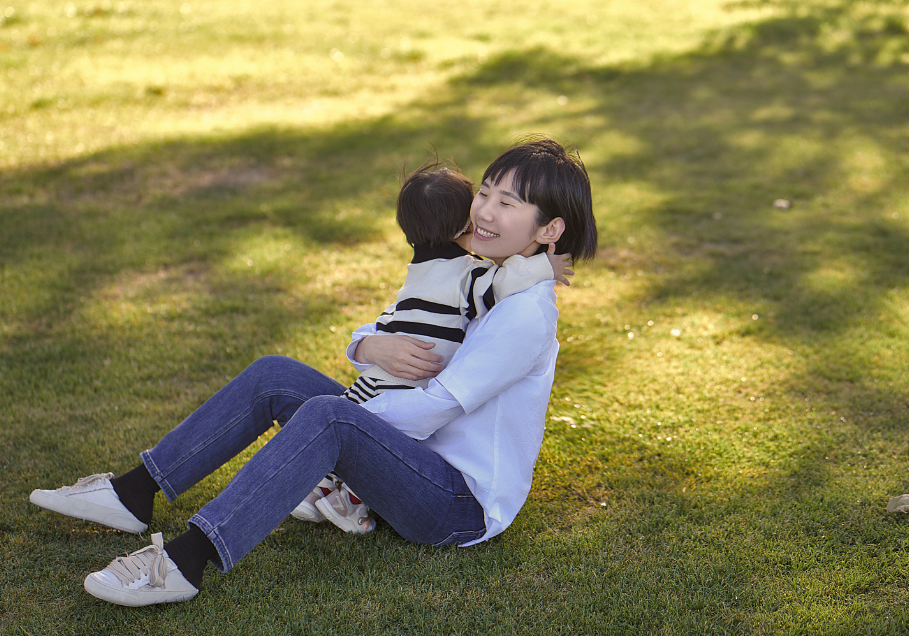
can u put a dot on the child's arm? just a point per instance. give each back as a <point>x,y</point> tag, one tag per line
<point>560,264</point>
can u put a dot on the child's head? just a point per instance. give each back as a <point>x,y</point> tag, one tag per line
<point>434,205</point>
<point>547,176</point>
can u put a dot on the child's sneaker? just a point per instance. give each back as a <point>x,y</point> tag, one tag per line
<point>307,510</point>
<point>91,498</point>
<point>345,510</point>
<point>145,577</point>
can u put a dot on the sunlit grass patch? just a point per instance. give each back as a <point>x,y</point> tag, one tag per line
<point>187,186</point>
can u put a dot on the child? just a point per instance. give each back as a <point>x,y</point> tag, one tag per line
<point>445,288</point>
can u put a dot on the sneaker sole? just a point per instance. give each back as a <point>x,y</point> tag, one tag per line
<point>135,598</point>
<point>307,512</point>
<point>78,509</point>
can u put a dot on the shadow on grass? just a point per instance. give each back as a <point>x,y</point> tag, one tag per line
<point>767,110</point>
<point>159,234</point>
<point>803,106</point>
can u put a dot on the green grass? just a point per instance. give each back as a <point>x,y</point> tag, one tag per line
<point>186,187</point>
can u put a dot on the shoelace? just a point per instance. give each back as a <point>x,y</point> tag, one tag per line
<point>84,482</point>
<point>150,560</point>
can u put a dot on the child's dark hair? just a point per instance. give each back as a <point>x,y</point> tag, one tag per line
<point>547,176</point>
<point>434,204</point>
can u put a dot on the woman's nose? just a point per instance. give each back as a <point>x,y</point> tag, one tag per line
<point>483,210</point>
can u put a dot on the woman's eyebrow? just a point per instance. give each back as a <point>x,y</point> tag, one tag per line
<point>507,193</point>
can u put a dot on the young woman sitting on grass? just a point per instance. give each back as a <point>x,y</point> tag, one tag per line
<point>446,287</point>
<point>448,464</point>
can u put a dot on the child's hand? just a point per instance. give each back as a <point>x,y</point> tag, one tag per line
<point>560,264</point>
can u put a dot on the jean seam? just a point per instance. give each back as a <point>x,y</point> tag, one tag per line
<point>397,456</point>
<point>473,535</point>
<point>455,500</point>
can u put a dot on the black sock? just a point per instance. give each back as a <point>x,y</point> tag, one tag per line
<point>191,551</point>
<point>136,490</point>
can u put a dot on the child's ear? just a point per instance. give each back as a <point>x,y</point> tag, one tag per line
<point>551,232</point>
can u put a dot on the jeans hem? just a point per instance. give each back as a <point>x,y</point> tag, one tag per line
<point>152,469</point>
<point>226,563</point>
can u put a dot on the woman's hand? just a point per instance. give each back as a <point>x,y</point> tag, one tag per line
<point>402,356</point>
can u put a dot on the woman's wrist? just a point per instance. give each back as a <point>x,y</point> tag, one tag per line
<point>362,353</point>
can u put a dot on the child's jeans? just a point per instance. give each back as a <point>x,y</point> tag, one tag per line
<point>412,488</point>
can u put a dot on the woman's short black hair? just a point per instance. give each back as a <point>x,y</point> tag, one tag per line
<point>434,204</point>
<point>555,181</point>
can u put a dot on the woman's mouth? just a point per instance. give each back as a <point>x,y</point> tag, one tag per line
<point>478,231</point>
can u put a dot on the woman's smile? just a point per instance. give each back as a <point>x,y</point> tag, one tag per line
<point>484,233</point>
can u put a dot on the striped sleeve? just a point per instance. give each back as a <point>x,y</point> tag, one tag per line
<point>486,287</point>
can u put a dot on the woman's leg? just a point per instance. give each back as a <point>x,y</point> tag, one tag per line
<point>270,390</point>
<point>419,494</point>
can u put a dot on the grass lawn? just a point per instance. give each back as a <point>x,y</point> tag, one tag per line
<point>187,186</point>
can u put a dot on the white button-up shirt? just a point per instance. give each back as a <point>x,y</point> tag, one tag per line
<point>484,414</point>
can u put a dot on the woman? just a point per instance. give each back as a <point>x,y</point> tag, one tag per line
<point>451,464</point>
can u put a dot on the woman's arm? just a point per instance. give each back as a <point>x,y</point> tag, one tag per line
<point>402,356</point>
<point>416,412</point>
<point>502,350</point>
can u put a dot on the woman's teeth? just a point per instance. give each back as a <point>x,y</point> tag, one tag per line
<point>485,233</point>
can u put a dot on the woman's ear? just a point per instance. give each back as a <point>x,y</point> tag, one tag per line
<point>551,232</point>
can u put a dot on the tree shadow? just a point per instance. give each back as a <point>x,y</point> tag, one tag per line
<point>762,112</point>
<point>804,107</point>
<point>157,234</point>
<point>718,133</point>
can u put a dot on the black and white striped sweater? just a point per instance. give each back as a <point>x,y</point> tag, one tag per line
<point>446,287</point>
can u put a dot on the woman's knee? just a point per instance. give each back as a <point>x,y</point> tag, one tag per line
<point>329,412</point>
<point>268,365</point>
<point>328,409</point>
<point>277,373</point>
<point>280,374</point>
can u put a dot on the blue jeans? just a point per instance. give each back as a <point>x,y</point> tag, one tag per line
<point>411,487</point>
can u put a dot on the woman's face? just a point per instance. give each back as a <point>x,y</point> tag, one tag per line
<point>503,223</point>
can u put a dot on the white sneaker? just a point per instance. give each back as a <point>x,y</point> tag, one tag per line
<point>341,511</point>
<point>91,498</point>
<point>307,510</point>
<point>145,577</point>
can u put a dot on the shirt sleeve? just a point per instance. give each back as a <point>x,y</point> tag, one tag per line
<point>416,412</point>
<point>356,337</point>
